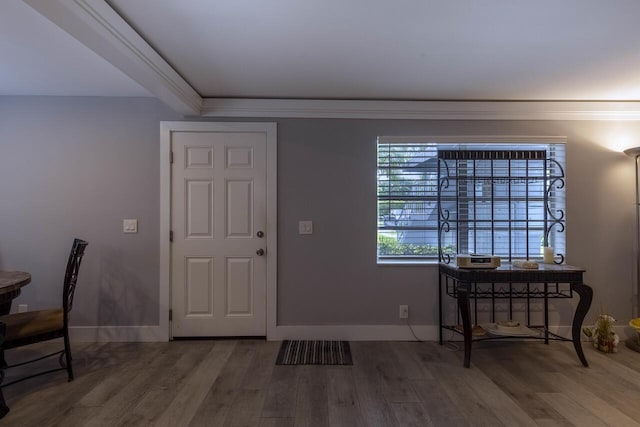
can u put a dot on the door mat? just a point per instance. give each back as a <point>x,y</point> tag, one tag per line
<point>296,352</point>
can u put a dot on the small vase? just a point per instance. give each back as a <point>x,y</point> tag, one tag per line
<point>608,344</point>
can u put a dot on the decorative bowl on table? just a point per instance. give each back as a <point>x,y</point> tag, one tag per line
<point>508,329</point>
<point>476,330</point>
<point>508,326</point>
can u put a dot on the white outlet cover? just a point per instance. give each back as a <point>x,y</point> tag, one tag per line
<point>305,227</point>
<point>404,311</point>
<point>130,225</point>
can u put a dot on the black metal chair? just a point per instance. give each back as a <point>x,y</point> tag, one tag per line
<point>22,329</point>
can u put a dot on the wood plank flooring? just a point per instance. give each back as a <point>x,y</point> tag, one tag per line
<point>236,383</point>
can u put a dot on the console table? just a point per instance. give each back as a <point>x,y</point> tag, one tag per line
<point>511,283</point>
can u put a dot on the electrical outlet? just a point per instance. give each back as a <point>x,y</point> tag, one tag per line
<point>23,308</point>
<point>404,311</point>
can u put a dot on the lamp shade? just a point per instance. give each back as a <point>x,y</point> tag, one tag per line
<point>632,152</point>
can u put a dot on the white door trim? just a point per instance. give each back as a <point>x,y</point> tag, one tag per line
<point>271,231</point>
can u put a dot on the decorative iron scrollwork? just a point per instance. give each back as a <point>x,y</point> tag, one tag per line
<point>458,168</point>
<point>443,213</point>
<point>555,217</point>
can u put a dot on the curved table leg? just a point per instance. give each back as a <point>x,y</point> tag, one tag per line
<point>440,340</point>
<point>586,296</point>
<point>465,313</point>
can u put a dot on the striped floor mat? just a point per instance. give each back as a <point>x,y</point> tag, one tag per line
<point>314,353</point>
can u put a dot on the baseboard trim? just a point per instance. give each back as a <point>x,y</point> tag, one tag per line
<point>391,333</point>
<point>148,333</point>
<point>314,332</point>
<point>356,332</point>
<point>154,333</point>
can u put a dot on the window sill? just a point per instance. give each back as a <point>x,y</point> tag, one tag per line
<point>408,262</point>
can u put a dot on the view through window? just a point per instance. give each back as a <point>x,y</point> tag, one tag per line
<point>509,206</point>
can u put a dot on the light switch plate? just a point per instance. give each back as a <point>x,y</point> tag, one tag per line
<point>130,225</point>
<point>305,227</point>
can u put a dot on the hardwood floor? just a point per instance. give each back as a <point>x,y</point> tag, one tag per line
<point>236,383</point>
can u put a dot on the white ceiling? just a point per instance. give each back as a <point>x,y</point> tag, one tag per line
<point>341,49</point>
<point>401,49</point>
<point>38,58</point>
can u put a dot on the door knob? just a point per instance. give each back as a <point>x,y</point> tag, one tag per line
<point>260,252</point>
<point>260,234</point>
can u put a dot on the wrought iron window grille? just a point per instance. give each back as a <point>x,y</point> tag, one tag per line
<point>500,202</point>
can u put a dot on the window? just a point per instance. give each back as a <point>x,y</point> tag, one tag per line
<point>501,196</point>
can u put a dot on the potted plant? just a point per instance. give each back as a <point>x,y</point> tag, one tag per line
<point>604,339</point>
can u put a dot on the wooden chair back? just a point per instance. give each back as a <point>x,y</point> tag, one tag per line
<point>71,276</point>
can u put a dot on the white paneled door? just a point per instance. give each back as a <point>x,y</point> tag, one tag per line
<point>218,220</point>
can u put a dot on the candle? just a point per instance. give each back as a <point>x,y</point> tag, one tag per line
<point>548,255</point>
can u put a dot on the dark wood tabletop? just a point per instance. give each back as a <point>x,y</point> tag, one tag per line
<point>509,273</point>
<point>11,281</point>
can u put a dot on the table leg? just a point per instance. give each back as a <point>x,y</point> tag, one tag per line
<point>6,299</point>
<point>465,313</point>
<point>440,308</point>
<point>4,409</point>
<point>546,313</point>
<point>5,307</point>
<point>586,296</point>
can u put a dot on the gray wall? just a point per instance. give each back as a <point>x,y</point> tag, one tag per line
<point>76,167</point>
<point>327,173</point>
<point>79,166</point>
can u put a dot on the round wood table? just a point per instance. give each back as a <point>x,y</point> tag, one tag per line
<point>11,283</point>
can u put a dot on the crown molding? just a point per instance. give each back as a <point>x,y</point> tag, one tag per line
<point>421,110</point>
<point>96,25</point>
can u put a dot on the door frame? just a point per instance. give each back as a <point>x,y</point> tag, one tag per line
<point>271,230</point>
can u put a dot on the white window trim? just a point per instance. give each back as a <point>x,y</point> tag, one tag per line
<point>480,139</point>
